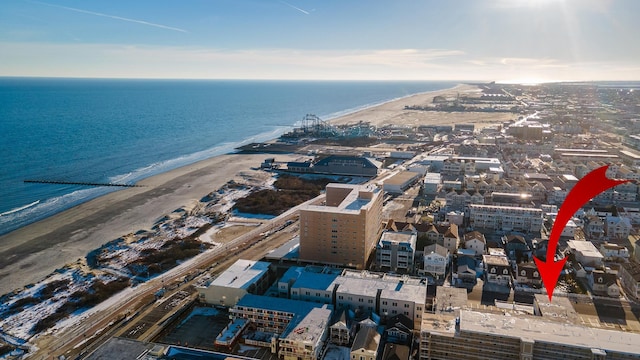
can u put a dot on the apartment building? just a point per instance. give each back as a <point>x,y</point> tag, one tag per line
<point>273,315</point>
<point>305,340</point>
<point>345,229</point>
<point>475,335</point>
<point>506,218</point>
<point>396,251</point>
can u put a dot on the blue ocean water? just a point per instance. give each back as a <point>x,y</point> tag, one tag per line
<point>99,130</point>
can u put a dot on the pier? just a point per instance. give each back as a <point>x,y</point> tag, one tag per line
<point>57,182</point>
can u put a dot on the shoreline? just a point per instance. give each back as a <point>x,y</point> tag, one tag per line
<point>30,253</point>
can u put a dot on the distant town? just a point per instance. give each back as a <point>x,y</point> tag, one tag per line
<point>371,241</point>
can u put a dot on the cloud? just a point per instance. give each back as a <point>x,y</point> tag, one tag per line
<point>136,61</point>
<point>295,7</point>
<point>142,22</point>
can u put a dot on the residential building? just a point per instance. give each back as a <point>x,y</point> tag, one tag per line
<point>604,283</point>
<point>617,227</point>
<point>594,227</point>
<point>475,241</point>
<point>345,230</point>
<point>630,279</point>
<point>431,184</point>
<point>506,218</point>
<point>305,340</point>
<point>399,330</point>
<point>497,269</point>
<point>396,251</point>
<point>436,259</point>
<point>243,277</point>
<point>365,345</point>
<point>340,332</point>
<point>451,239</point>
<point>273,315</point>
<point>475,335</point>
<point>527,274</point>
<point>614,252</point>
<point>396,352</point>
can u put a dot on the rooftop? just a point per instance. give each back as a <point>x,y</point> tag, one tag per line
<point>241,274</point>
<point>312,280</point>
<point>401,178</point>
<point>398,237</point>
<point>584,247</point>
<point>495,260</point>
<point>311,327</point>
<point>277,304</point>
<point>538,330</point>
<point>352,203</point>
<point>392,287</point>
<point>450,300</point>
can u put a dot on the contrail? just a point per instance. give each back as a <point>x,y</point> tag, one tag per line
<point>295,7</point>
<point>110,16</point>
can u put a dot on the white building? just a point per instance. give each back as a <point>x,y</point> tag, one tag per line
<point>436,259</point>
<point>431,183</point>
<point>475,241</point>
<point>365,345</point>
<point>396,250</point>
<point>244,276</point>
<point>306,340</point>
<point>612,252</point>
<point>400,182</point>
<point>586,253</point>
<point>506,218</point>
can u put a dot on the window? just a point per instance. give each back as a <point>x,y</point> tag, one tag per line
<point>523,273</point>
<point>493,270</point>
<point>505,272</point>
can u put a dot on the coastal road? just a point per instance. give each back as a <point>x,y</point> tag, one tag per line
<point>86,328</point>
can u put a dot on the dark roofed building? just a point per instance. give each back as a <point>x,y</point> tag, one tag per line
<point>347,165</point>
<point>395,352</point>
<point>399,329</point>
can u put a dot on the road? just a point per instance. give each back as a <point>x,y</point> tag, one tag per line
<point>106,317</point>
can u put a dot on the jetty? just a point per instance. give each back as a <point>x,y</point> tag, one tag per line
<point>58,182</point>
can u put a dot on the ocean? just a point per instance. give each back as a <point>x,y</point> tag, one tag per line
<point>121,131</point>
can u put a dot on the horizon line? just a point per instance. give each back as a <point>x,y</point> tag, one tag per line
<point>478,81</point>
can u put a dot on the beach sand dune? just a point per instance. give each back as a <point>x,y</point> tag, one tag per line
<point>29,254</point>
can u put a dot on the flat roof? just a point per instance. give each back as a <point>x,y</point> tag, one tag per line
<point>401,178</point>
<point>495,260</point>
<point>312,280</point>
<point>352,203</point>
<point>391,288</point>
<point>585,247</point>
<point>241,274</point>
<point>399,237</point>
<point>311,327</point>
<point>450,300</point>
<point>630,154</point>
<point>277,304</point>
<point>290,250</point>
<point>499,208</point>
<point>538,330</point>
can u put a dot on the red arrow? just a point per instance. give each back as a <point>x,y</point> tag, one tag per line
<point>586,189</point>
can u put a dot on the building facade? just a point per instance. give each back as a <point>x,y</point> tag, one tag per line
<point>506,218</point>
<point>345,230</point>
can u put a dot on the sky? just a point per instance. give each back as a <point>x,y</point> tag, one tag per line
<point>503,40</point>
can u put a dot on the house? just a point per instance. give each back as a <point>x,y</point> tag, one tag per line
<point>396,352</point>
<point>365,345</point>
<point>604,283</point>
<point>594,227</point>
<point>527,273</point>
<point>613,252</point>
<point>617,227</point>
<point>340,331</point>
<point>515,246</point>
<point>436,259</point>
<point>497,269</point>
<point>399,330</point>
<point>475,241</point>
<point>630,279</point>
<point>451,239</point>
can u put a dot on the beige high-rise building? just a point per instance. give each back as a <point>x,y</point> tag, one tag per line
<point>345,229</point>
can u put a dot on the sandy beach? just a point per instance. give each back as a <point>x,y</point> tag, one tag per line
<point>29,254</point>
<point>394,113</point>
